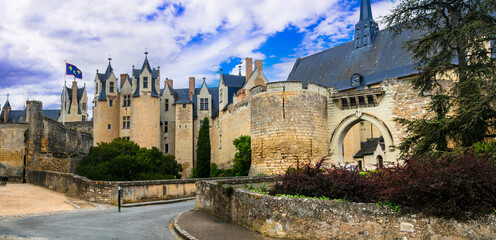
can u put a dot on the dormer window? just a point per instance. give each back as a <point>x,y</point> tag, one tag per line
<point>145,82</point>
<point>204,104</point>
<point>111,87</point>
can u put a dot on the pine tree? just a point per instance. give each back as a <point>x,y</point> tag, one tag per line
<point>456,43</point>
<point>203,150</point>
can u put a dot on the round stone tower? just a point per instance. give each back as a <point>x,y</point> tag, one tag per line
<point>288,123</point>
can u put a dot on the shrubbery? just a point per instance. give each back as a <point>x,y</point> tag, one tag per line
<point>451,185</point>
<point>123,160</point>
<point>242,158</point>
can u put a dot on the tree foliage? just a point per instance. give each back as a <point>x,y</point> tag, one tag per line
<point>242,158</point>
<point>203,150</point>
<point>454,43</point>
<point>124,160</point>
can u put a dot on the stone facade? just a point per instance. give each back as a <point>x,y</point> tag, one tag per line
<point>12,150</point>
<point>40,144</point>
<point>170,118</point>
<point>290,218</point>
<point>289,123</point>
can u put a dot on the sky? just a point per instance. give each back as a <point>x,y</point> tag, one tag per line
<point>192,38</point>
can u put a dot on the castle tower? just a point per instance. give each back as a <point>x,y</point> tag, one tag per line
<point>366,27</point>
<point>6,110</point>
<point>76,104</point>
<point>106,107</point>
<point>145,107</point>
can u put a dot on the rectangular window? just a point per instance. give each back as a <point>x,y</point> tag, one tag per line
<point>108,126</point>
<point>220,96</point>
<point>126,122</point>
<point>84,118</point>
<point>204,104</point>
<point>84,106</point>
<point>128,100</point>
<point>111,87</point>
<point>220,141</point>
<point>124,101</point>
<point>166,105</point>
<point>166,148</point>
<point>184,105</point>
<point>201,123</point>
<point>145,82</point>
<point>166,126</point>
<point>111,102</point>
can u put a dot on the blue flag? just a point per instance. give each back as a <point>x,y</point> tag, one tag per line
<point>73,70</point>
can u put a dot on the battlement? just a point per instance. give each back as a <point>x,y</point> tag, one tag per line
<point>289,86</point>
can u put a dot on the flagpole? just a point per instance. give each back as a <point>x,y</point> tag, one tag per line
<point>64,92</point>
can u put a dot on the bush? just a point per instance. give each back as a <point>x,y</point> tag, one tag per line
<point>451,185</point>
<point>242,158</point>
<point>123,160</point>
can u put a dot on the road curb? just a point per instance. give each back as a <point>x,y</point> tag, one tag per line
<point>183,233</point>
<point>139,204</point>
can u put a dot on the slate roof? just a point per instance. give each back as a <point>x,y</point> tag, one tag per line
<point>103,79</point>
<point>334,67</point>
<point>183,98</point>
<point>137,73</point>
<point>16,116</point>
<point>7,104</point>
<point>233,83</point>
<point>368,147</point>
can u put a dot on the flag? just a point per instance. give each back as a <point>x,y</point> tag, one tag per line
<point>73,70</point>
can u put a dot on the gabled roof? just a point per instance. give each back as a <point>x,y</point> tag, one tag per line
<point>154,72</point>
<point>7,104</point>
<point>234,81</point>
<point>79,96</point>
<point>368,147</point>
<point>335,66</point>
<point>183,98</point>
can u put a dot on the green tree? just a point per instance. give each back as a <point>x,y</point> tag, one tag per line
<point>203,150</point>
<point>124,160</point>
<point>453,44</point>
<point>242,158</point>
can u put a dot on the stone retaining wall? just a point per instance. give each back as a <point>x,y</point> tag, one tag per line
<point>291,218</point>
<point>106,191</point>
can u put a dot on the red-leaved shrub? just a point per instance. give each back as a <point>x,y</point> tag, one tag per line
<point>450,186</point>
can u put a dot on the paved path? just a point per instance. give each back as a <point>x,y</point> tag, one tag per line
<point>149,222</point>
<point>204,226</point>
<point>17,199</point>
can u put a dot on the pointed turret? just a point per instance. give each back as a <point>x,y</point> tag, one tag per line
<point>146,64</point>
<point>6,110</point>
<point>366,27</point>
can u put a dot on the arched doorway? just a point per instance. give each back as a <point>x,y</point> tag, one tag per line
<point>380,161</point>
<point>339,133</point>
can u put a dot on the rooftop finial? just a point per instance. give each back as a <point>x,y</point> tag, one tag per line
<point>240,67</point>
<point>146,52</point>
<point>203,79</point>
<point>8,96</point>
<point>366,27</point>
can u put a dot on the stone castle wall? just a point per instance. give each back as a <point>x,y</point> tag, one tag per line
<point>106,121</point>
<point>229,125</point>
<point>288,123</point>
<point>51,146</point>
<point>12,150</point>
<point>301,218</point>
<point>145,121</point>
<point>84,127</point>
<point>184,138</point>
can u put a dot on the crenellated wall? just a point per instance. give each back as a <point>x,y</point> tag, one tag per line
<point>288,123</point>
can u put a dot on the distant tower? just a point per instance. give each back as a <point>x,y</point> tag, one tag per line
<point>366,27</point>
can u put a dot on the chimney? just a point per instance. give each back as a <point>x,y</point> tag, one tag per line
<point>258,65</point>
<point>171,83</point>
<point>28,107</point>
<point>248,65</point>
<point>6,111</point>
<point>124,76</point>
<point>74,93</point>
<point>191,87</point>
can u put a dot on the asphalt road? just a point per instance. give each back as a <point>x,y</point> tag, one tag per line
<point>147,222</point>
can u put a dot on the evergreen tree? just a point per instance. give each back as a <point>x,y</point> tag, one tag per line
<point>456,43</point>
<point>203,150</point>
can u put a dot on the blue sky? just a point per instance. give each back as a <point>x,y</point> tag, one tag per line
<point>185,38</point>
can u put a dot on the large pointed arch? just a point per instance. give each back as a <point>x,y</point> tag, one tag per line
<point>339,133</point>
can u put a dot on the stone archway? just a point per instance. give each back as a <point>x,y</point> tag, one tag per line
<point>337,137</point>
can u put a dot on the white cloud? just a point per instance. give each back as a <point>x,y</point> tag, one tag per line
<point>40,35</point>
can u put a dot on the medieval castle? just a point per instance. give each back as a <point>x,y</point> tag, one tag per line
<point>358,87</point>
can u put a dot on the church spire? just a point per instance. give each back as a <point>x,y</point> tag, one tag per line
<point>366,27</point>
